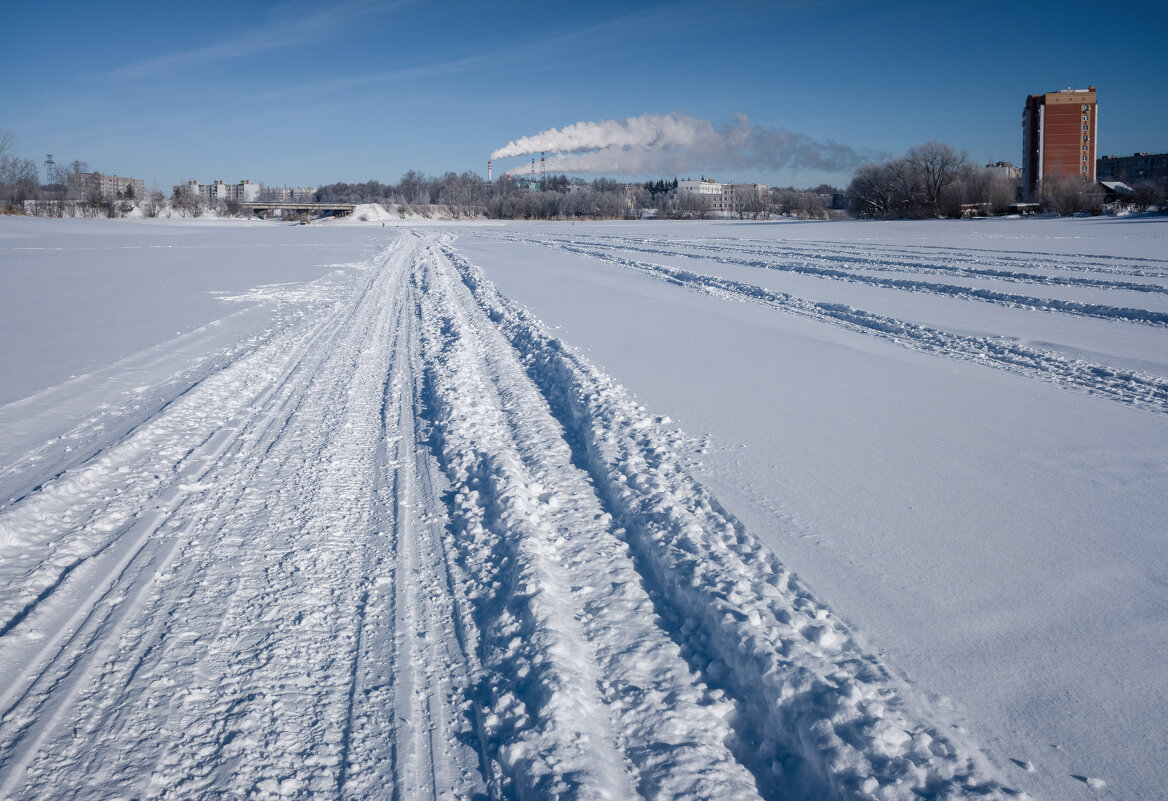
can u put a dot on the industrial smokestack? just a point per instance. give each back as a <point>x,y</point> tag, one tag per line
<point>488,170</point>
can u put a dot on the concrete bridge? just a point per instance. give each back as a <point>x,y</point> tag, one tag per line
<point>306,211</point>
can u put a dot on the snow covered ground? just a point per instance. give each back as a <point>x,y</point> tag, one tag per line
<point>376,510</point>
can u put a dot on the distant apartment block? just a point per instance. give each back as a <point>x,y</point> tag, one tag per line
<point>1138,168</point>
<point>1059,135</point>
<point>243,192</point>
<point>1004,170</point>
<point>724,197</point>
<point>84,185</point>
<point>298,194</point>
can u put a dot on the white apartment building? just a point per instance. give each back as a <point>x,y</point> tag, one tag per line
<point>218,190</point>
<point>83,185</point>
<point>243,192</point>
<point>246,191</point>
<point>286,194</point>
<point>724,197</point>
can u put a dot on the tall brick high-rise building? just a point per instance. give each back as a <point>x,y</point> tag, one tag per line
<point>1059,131</point>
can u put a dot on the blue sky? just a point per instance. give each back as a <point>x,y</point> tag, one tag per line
<point>300,93</point>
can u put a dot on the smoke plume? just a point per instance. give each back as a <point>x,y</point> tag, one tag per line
<point>678,143</point>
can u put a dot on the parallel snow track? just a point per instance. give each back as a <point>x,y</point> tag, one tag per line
<point>415,548</point>
<point>1127,386</point>
<point>814,716</point>
<point>1008,265</point>
<point>1007,299</point>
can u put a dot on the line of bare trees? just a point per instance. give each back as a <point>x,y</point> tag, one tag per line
<point>934,180</point>
<point>560,197</point>
<point>930,180</point>
<point>468,195</point>
<point>1082,196</point>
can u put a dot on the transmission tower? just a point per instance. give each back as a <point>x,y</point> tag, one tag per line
<point>49,164</point>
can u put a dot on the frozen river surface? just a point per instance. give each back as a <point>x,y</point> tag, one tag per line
<point>710,510</point>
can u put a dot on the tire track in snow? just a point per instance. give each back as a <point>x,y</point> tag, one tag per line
<point>966,261</point>
<point>1126,386</point>
<point>236,405</point>
<point>113,422</point>
<point>584,694</point>
<point>1006,299</point>
<point>815,716</point>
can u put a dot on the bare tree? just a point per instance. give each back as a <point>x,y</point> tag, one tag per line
<point>1072,196</point>
<point>873,190</point>
<point>640,200</point>
<point>908,192</point>
<point>19,179</point>
<point>186,202</point>
<point>153,206</point>
<point>802,205</point>
<point>938,165</point>
<point>694,206</point>
<point>8,141</point>
<point>413,188</point>
<point>1143,196</point>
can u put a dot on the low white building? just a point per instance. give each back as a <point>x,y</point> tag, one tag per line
<point>706,187</point>
<point>725,197</point>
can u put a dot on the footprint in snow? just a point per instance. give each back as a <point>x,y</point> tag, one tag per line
<point>1025,764</point>
<point>1093,783</point>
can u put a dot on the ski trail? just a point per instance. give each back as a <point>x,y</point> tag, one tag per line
<point>126,498</point>
<point>236,653</point>
<point>408,546</point>
<point>416,663</point>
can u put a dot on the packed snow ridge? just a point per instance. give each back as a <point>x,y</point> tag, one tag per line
<point>403,543</point>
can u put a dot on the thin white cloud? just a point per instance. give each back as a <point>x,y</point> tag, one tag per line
<point>525,52</point>
<point>289,31</point>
